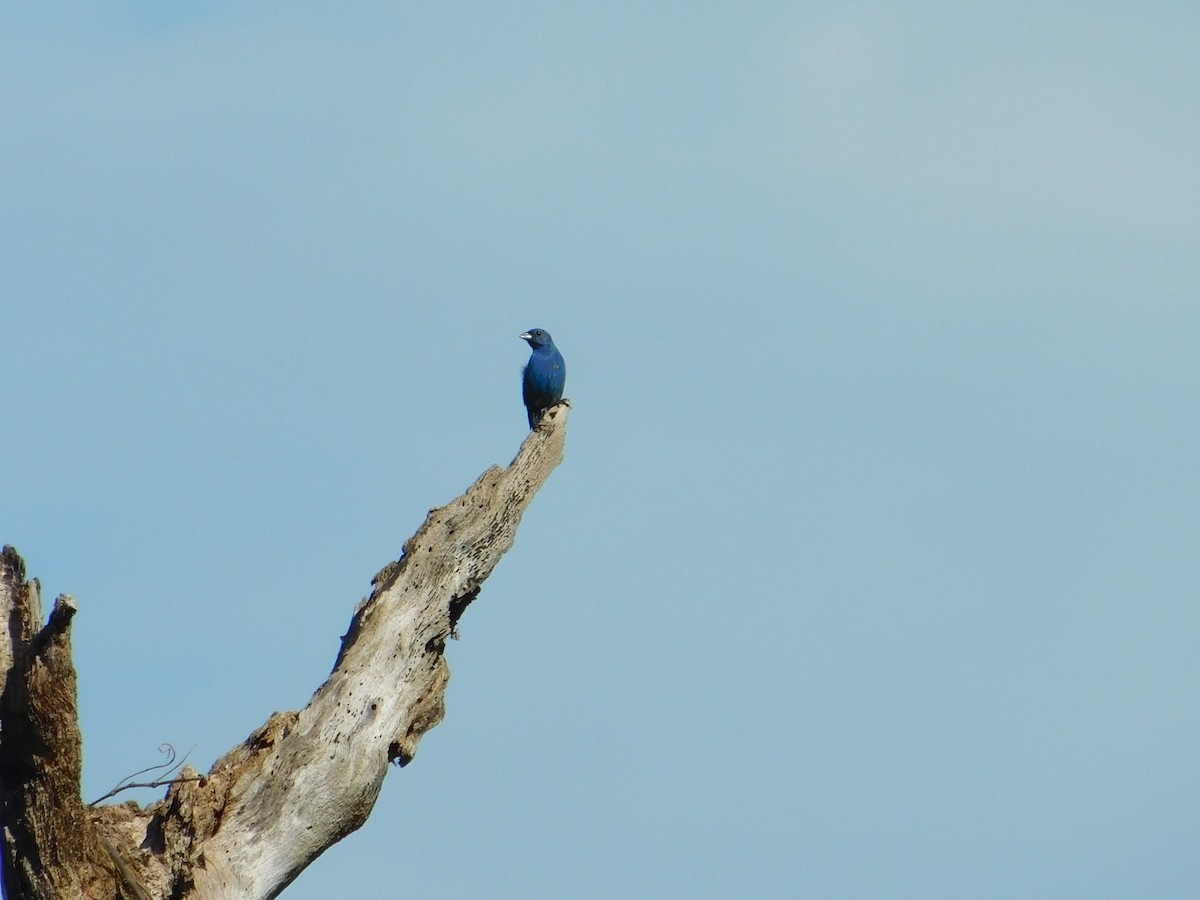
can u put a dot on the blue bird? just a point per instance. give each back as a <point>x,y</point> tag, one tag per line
<point>544,376</point>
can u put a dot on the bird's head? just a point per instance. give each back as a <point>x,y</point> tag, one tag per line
<point>537,337</point>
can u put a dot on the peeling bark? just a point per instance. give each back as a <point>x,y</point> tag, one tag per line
<point>299,783</point>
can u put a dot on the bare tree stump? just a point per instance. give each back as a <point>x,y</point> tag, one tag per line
<point>298,784</point>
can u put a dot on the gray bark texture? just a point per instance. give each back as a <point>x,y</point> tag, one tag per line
<point>297,785</point>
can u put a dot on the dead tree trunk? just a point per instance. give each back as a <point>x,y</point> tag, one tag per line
<point>297,785</point>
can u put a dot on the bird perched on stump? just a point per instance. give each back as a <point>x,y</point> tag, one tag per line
<point>545,374</point>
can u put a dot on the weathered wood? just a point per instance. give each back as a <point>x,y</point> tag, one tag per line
<point>303,780</point>
<point>50,849</point>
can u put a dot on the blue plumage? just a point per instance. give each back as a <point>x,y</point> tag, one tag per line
<point>544,376</point>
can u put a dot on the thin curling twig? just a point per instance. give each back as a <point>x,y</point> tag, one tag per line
<point>169,766</point>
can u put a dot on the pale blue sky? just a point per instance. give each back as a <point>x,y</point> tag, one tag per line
<point>871,569</point>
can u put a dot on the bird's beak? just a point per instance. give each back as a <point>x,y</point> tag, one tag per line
<point>526,336</point>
